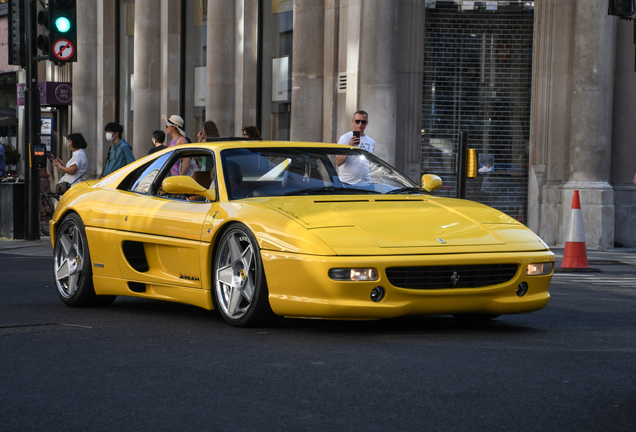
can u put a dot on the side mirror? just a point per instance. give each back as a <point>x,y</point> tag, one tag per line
<point>186,185</point>
<point>431,182</point>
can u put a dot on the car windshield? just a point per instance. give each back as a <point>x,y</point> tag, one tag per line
<point>287,171</point>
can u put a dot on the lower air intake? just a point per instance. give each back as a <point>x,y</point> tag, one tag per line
<point>444,277</point>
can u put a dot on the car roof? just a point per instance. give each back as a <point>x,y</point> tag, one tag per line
<point>228,144</point>
<point>113,179</point>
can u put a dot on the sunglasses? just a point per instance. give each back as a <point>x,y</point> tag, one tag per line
<point>360,121</point>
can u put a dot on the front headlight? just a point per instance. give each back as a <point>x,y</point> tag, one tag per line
<point>353,274</point>
<point>540,269</point>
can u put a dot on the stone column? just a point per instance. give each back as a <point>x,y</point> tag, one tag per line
<point>85,97</point>
<point>220,76</point>
<point>378,73</point>
<point>623,133</point>
<point>550,114</point>
<point>170,59</point>
<point>330,74</point>
<point>106,51</point>
<point>307,71</point>
<point>589,166</point>
<point>410,77</point>
<point>147,113</point>
<point>245,69</point>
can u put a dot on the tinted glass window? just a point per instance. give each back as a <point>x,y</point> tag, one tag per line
<point>308,171</point>
<point>143,182</point>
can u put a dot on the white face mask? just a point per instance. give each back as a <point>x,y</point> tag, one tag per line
<point>109,136</point>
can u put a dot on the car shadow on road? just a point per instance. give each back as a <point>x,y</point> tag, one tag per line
<point>427,324</point>
<point>423,324</point>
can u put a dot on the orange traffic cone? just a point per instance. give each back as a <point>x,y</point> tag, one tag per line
<point>575,255</point>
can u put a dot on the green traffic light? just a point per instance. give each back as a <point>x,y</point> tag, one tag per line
<point>62,24</point>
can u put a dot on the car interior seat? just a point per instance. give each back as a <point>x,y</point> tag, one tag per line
<point>203,178</point>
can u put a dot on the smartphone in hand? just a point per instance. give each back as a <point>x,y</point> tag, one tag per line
<point>356,134</point>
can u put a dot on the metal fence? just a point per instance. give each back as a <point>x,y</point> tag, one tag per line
<point>477,78</point>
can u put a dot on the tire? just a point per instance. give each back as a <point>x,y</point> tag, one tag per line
<point>72,266</point>
<point>240,291</point>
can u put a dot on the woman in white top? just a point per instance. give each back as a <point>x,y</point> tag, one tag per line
<point>77,165</point>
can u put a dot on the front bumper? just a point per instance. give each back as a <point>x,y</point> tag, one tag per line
<point>300,287</point>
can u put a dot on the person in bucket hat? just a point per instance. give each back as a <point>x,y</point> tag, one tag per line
<point>174,128</point>
<point>176,122</point>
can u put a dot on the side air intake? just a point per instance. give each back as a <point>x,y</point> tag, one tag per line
<point>135,255</point>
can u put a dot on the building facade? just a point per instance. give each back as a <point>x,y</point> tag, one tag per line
<point>545,89</point>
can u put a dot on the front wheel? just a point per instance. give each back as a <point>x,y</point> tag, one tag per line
<point>240,288</point>
<point>72,266</point>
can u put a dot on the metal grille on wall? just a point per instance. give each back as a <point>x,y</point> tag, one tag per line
<point>477,78</point>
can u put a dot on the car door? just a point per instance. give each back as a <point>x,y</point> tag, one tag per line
<point>159,235</point>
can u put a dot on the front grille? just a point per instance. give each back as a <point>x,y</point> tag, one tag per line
<point>441,277</point>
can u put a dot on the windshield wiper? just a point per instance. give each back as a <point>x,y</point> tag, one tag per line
<point>327,189</point>
<point>409,190</point>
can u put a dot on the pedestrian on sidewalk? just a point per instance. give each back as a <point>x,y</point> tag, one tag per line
<point>120,152</point>
<point>77,165</point>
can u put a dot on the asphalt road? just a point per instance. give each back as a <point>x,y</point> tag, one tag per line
<point>154,366</point>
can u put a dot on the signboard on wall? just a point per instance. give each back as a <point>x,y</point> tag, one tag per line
<point>46,132</point>
<point>280,79</point>
<point>51,93</point>
<point>199,86</point>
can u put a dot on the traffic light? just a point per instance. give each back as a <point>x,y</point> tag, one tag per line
<point>622,8</point>
<point>17,29</point>
<point>58,23</point>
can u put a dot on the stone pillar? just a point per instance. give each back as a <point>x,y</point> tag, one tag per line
<point>85,86</point>
<point>220,76</point>
<point>378,73</point>
<point>571,120</point>
<point>245,65</point>
<point>106,51</point>
<point>589,166</point>
<point>350,31</point>
<point>549,117</point>
<point>623,133</point>
<point>307,71</point>
<point>147,113</point>
<point>330,74</point>
<point>170,59</point>
<point>410,76</point>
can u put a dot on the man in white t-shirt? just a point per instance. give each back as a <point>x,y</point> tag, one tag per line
<point>353,169</point>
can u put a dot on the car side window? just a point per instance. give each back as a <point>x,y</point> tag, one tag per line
<point>197,164</point>
<point>143,183</point>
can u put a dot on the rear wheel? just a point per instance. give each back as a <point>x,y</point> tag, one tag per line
<point>72,266</point>
<point>240,288</point>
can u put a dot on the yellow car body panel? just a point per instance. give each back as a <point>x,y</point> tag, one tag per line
<point>301,238</point>
<point>323,297</point>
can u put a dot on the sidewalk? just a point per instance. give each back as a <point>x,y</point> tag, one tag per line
<point>35,248</point>
<point>42,248</point>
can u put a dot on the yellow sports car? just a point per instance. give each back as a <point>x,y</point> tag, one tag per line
<point>261,229</point>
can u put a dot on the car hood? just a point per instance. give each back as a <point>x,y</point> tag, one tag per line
<point>351,225</point>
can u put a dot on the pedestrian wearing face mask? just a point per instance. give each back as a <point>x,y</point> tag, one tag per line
<point>120,153</point>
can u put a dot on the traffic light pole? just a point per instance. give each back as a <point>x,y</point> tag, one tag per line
<point>32,126</point>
